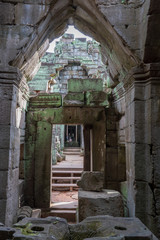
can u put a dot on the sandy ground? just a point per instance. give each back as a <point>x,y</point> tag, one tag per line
<point>64,196</point>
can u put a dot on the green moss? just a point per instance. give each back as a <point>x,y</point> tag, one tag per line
<point>26,230</point>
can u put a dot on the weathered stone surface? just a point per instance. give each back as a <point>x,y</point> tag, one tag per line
<point>7,15</point>
<point>27,13</point>
<point>73,99</point>
<point>47,228</point>
<point>80,85</point>
<point>97,99</point>
<point>46,101</point>
<point>107,227</point>
<point>107,202</point>
<point>91,181</point>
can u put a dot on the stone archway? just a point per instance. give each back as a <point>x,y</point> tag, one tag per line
<point>24,40</point>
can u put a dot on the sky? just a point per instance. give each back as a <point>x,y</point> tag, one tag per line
<point>70,30</point>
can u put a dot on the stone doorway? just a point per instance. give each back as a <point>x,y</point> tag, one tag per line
<point>65,174</point>
<point>67,165</point>
<point>44,111</point>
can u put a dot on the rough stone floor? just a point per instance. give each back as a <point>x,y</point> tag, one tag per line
<point>72,161</point>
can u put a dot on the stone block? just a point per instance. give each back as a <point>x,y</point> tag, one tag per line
<point>96,99</point>
<point>12,38</point>
<point>121,163</point>
<point>5,110</point>
<point>5,136</point>
<point>29,14</point>
<point>14,158</point>
<point>73,99</point>
<point>143,190</point>
<point>91,181</point>
<point>112,164</point>
<point>81,85</point>
<point>4,184</point>
<point>157,200</point>
<point>155,158</point>
<point>5,159</point>
<point>47,228</point>
<point>8,92</point>
<point>143,162</point>
<point>104,227</point>
<point>46,101</point>
<point>7,14</point>
<point>112,138</point>
<point>107,202</point>
<point>3,203</point>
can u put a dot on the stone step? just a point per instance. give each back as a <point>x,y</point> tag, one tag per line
<point>69,215</point>
<point>64,185</point>
<point>72,150</point>
<point>65,178</point>
<point>71,153</point>
<point>66,171</point>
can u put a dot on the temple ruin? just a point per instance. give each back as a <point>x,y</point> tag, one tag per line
<point>99,96</point>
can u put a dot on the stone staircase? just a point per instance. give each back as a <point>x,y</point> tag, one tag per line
<point>72,151</point>
<point>65,178</point>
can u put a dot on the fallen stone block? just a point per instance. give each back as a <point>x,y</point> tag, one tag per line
<point>91,181</point>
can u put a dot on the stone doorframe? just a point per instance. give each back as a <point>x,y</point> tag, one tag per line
<point>44,111</point>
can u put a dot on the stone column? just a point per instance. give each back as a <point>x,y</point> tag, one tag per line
<point>82,137</point>
<point>111,163</point>
<point>143,145</point>
<point>9,144</point>
<point>42,179</point>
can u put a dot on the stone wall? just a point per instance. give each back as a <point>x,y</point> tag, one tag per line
<point>138,107</point>
<point>26,29</point>
<point>38,146</point>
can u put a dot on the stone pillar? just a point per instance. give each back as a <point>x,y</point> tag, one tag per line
<point>143,145</point>
<point>82,137</point>
<point>86,162</point>
<point>9,144</point>
<point>111,163</point>
<point>42,178</point>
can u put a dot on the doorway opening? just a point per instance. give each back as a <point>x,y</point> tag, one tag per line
<point>67,166</point>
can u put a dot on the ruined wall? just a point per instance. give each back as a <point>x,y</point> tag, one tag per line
<point>26,29</point>
<point>138,129</point>
<point>72,58</point>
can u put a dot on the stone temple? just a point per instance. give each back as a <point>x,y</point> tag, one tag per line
<point>100,96</point>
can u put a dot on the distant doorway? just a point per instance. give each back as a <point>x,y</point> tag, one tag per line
<point>73,136</point>
<point>67,141</point>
